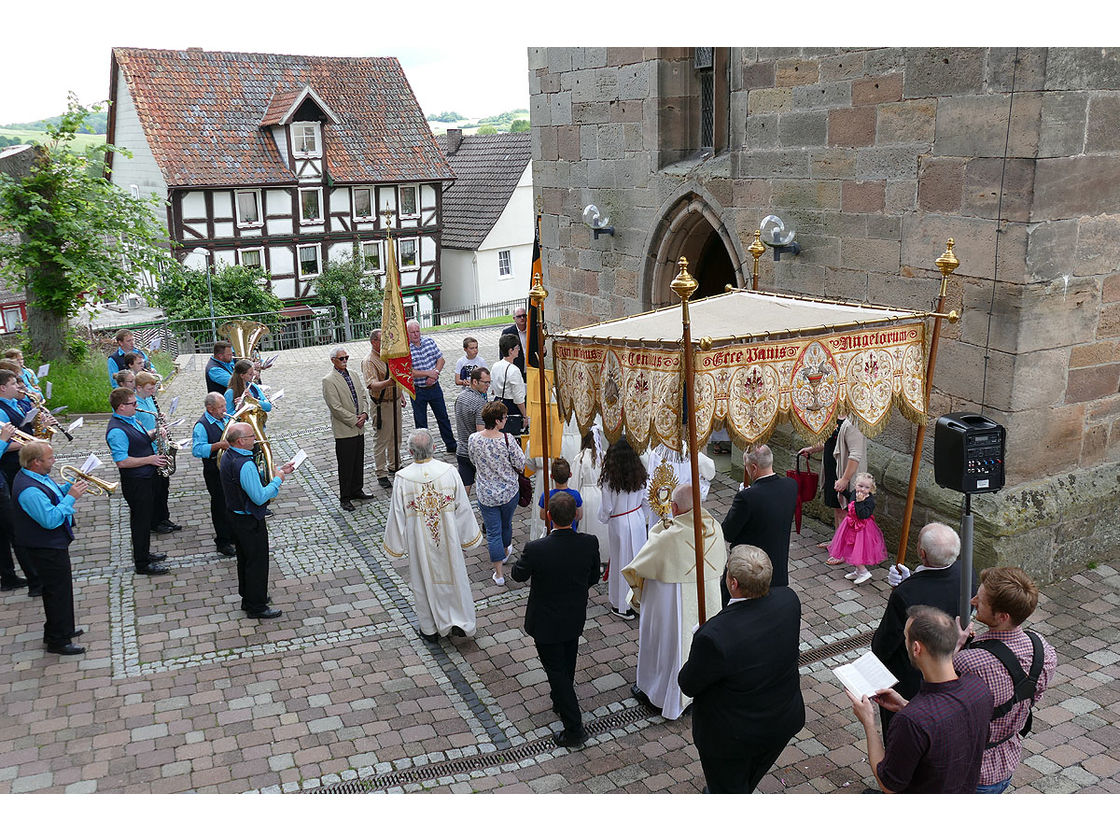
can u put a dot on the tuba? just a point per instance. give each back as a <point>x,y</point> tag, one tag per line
<point>244,336</point>
<point>252,413</point>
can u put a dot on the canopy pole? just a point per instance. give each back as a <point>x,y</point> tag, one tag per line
<point>537,294</point>
<point>684,285</point>
<point>756,249</point>
<point>947,263</point>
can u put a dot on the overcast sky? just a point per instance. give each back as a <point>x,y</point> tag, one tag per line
<point>458,55</point>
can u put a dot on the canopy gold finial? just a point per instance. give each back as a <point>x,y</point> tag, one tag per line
<point>538,293</point>
<point>947,263</point>
<point>684,284</point>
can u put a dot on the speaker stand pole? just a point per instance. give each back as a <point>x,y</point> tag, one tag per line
<point>965,614</point>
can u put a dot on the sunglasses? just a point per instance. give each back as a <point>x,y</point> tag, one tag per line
<point>342,358</point>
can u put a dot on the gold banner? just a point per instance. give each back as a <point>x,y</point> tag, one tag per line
<point>747,388</point>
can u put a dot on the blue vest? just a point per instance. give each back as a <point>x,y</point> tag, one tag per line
<point>139,446</point>
<point>27,532</point>
<point>211,384</point>
<point>213,435</point>
<point>9,462</point>
<point>236,497</point>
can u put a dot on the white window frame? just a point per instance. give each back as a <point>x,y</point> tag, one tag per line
<point>318,260</point>
<point>507,270</point>
<point>299,131</point>
<point>241,252</point>
<point>304,220</point>
<point>400,254</point>
<point>376,244</point>
<point>241,223</point>
<point>416,201</point>
<point>354,204</point>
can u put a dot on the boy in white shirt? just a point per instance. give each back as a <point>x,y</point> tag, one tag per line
<point>469,362</point>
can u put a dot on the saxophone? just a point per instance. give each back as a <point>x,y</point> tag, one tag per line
<point>164,447</point>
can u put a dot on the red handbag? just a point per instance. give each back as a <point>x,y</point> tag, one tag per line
<point>806,487</point>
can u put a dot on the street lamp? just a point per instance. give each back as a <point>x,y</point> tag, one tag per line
<point>203,254</point>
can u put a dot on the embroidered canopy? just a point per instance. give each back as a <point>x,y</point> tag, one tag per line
<point>760,358</point>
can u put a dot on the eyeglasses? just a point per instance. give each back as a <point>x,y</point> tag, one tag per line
<point>484,381</point>
<point>129,403</point>
<point>519,316</point>
<point>342,358</point>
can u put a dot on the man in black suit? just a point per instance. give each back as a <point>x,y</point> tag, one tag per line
<point>561,568</point>
<point>742,675</point>
<point>528,340</point>
<point>762,514</point>
<point>935,583</point>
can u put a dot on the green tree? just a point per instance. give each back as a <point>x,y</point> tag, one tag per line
<point>519,126</point>
<point>346,277</point>
<point>81,240</point>
<point>487,129</point>
<point>184,293</point>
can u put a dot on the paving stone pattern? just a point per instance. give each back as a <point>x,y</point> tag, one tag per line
<point>178,691</point>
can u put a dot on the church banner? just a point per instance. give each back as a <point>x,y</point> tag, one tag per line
<point>747,387</point>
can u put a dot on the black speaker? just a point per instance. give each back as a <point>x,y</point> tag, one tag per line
<point>968,453</point>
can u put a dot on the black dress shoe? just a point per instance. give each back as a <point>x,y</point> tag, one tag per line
<point>152,569</point>
<point>167,523</point>
<point>228,550</point>
<point>77,633</point>
<point>14,582</point>
<point>66,650</point>
<point>269,613</point>
<point>35,591</point>
<point>456,630</point>
<point>386,483</point>
<point>269,512</point>
<point>156,556</point>
<point>571,740</point>
<point>643,698</point>
<point>363,495</point>
<point>428,637</point>
<point>347,504</point>
<point>162,529</point>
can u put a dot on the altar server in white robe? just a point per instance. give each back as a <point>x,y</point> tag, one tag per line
<point>587,465</point>
<point>431,520</point>
<point>663,581</point>
<point>624,510</point>
<point>681,465</point>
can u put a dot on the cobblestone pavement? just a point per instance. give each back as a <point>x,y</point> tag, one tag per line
<point>179,691</point>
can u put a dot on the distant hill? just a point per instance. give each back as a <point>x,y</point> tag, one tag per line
<point>96,124</point>
<point>517,120</point>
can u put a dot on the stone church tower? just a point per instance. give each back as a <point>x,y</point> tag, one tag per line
<point>876,157</point>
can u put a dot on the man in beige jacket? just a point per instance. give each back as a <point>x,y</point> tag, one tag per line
<point>346,399</point>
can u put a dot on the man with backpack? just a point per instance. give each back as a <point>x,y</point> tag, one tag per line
<point>1016,664</point>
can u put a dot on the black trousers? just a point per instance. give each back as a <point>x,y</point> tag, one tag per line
<point>559,662</point>
<point>739,770</point>
<point>7,531</point>
<point>223,533</point>
<point>53,565</point>
<point>250,537</point>
<point>351,455</point>
<point>140,493</point>
<point>159,510</point>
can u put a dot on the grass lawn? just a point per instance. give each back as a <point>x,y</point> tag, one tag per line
<point>483,322</point>
<point>81,141</point>
<point>84,388</point>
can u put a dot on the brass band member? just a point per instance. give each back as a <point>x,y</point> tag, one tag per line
<point>247,500</point>
<point>135,455</point>
<point>146,386</point>
<point>26,374</point>
<point>44,520</point>
<point>206,443</point>
<point>219,367</point>
<point>126,343</point>
<point>241,382</point>
<point>387,401</point>
<point>12,412</point>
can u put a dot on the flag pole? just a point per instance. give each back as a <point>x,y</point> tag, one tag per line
<point>685,285</point>
<point>537,295</point>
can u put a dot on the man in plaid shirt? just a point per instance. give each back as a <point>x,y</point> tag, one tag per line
<point>1005,599</point>
<point>427,362</point>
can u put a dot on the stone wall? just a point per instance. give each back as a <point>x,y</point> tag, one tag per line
<point>877,157</point>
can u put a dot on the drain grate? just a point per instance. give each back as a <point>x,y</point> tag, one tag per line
<point>456,766</point>
<point>540,746</point>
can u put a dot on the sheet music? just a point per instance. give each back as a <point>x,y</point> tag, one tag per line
<point>272,359</point>
<point>182,444</point>
<point>300,457</point>
<point>47,391</point>
<point>174,405</point>
<point>175,423</point>
<point>865,677</point>
<point>44,369</point>
<point>91,463</point>
<point>60,409</point>
<point>29,416</point>
<point>80,421</point>
<point>277,395</point>
<point>155,344</point>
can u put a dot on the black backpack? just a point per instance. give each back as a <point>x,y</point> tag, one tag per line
<point>1025,684</point>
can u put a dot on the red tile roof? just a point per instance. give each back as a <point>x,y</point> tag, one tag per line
<point>202,111</point>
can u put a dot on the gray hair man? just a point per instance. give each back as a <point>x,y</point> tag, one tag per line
<point>348,404</point>
<point>427,363</point>
<point>207,442</point>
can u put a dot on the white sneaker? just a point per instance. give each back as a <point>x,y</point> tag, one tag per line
<point>509,550</point>
<point>501,581</point>
<point>852,575</point>
<point>863,577</point>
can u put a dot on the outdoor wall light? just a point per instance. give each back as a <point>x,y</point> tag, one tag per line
<point>598,224</point>
<point>780,238</point>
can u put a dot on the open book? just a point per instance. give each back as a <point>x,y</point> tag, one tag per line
<point>865,677</point>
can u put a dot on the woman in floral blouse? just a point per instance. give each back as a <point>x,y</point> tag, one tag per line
<point>497,460</point>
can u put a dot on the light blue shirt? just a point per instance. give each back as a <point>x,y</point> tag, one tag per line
<point>221,372</point>
<point>148,421</point>
<point>118,440</point>
<point>14,406</point>
<point>251,482</point>
<point>38,505</point>
<point>255,392</point>
<point>113,369</point>
<point>32,381</point>
<point>200,443</point>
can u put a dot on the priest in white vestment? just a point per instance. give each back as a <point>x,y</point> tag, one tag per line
<point>431,520</point>
<point>662,578</point>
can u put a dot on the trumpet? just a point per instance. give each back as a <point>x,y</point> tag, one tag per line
<point>25,438</point>
<point>97,487</point>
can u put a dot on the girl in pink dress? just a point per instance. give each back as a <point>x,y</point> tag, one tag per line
<point>858,541</point>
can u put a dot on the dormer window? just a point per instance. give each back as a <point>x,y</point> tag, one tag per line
<point>305,140</point>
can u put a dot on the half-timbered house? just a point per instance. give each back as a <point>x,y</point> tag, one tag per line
<point>282,161</point>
